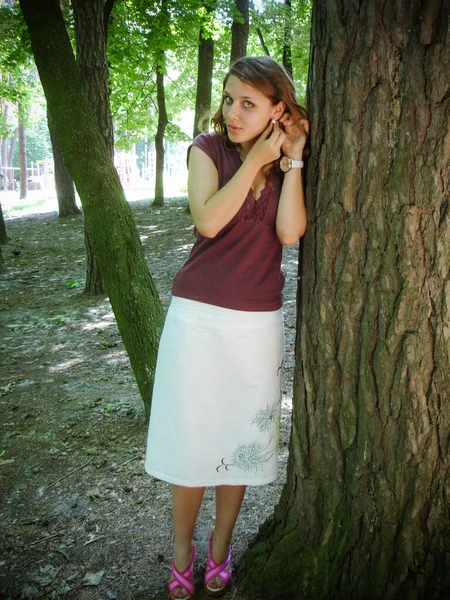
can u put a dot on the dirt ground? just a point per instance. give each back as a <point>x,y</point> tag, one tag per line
<point>79,517</point>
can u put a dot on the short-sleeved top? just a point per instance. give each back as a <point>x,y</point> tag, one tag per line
<point>239,268</point>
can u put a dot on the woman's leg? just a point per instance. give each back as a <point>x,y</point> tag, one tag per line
<point>186,502</point>
<point>228,504</point>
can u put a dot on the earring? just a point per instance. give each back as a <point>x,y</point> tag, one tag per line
<point>274,121</point>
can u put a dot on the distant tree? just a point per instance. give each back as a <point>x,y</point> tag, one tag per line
<point>239,30</point>
<point>364,514</point>
<point>287,53</point>
<point>65,189</point>
<point>108,216</point>
<point>22,153</point>
<point>205,63</point>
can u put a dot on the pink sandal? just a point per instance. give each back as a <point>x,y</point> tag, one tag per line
<point>214,570</point>
<point>184,580</point>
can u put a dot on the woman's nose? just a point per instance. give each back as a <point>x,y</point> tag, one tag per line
<point>233,112</point>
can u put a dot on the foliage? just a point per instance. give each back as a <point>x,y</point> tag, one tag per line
<point>277,23</point>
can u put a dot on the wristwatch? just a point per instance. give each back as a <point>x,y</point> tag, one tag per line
<point>286,164</point>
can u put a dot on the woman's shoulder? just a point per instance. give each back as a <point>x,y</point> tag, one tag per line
<point>214,146</point>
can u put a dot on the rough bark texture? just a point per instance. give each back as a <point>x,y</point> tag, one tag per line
<point>90,36</point>
<point>65,190</point>
<point>239,32</point>
<point>204,81</point>
<point>159,138</point>
<point>114,236</point>
<point>22,156</point>
<point>364,513</point>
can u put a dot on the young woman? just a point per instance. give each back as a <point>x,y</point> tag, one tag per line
<point>216,401</point>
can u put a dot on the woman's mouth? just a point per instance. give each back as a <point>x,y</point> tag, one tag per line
<point>233,128</point>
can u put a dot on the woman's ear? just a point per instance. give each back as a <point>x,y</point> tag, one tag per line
<point>279,109</point>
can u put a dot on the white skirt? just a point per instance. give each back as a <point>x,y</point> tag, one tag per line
<point>215,414</point>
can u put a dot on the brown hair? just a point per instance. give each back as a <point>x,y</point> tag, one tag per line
<point>270,78</point>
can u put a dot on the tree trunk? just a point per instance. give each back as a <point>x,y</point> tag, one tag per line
<point>65,190</point>
<point>159,138</point>
<point>4,151</point>
<point>114,237</point>
<point>364,512</point>
<point>91,59</point>
<point>22,155</point>
<point>204,79</point>
<point>287,56</point>
<point>239,31</point>
<point>12,147</point>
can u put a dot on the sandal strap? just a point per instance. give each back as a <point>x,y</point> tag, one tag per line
<point>217,570</point>
<point>184,579</point>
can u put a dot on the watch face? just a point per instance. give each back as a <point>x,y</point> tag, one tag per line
<point>285,164</point>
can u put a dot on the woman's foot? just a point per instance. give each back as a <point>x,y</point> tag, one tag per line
<point>181,583</point>
<point>218,570</point>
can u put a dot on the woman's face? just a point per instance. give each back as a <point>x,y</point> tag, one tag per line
<point>247,111</point>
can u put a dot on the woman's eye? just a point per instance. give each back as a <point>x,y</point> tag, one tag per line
<point>248,104</point>
<point>228,100</point>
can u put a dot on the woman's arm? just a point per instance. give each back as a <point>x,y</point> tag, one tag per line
<point>291,216</point>
<point>212,208</point>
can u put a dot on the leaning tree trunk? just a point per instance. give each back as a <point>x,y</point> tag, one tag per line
<point>65,190</point>
<point>114,236</point>
<point>90,33</point>
<point>22,155</point>
<point>204,78</point>
<point>239,31</point>
<point>364,513</point>
<point>159,138</point>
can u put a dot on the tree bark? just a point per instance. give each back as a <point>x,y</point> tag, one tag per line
<point>159,138</point>
<point>239,32</point>
<point>204,79</point>
<point>364,512</point>
<point>114,237</point>
<point>90,37</point>
<point>22,155</point>
<point>65,190</point>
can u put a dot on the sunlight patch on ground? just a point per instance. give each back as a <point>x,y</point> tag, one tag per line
<point>97,325</point>
<point>66,364</point>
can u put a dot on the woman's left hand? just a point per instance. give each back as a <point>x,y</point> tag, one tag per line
<point>296,129</point>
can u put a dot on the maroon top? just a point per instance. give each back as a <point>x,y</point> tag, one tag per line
<point>240,268</point>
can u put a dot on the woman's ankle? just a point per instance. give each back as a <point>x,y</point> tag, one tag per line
<point>182,554</point>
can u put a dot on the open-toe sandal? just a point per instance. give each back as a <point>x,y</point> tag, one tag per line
<point>184,580</point>
<point>213,570</point>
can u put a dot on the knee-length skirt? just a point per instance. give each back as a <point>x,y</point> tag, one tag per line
<point>215,413</point>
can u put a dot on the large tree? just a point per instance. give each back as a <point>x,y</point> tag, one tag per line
<point>91,27</point>
<point>364,513</point>
<point>108,217</point>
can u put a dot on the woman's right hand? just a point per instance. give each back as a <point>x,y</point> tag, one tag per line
<point>267,147</point>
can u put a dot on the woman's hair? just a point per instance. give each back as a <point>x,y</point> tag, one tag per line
<point>267,76</point>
